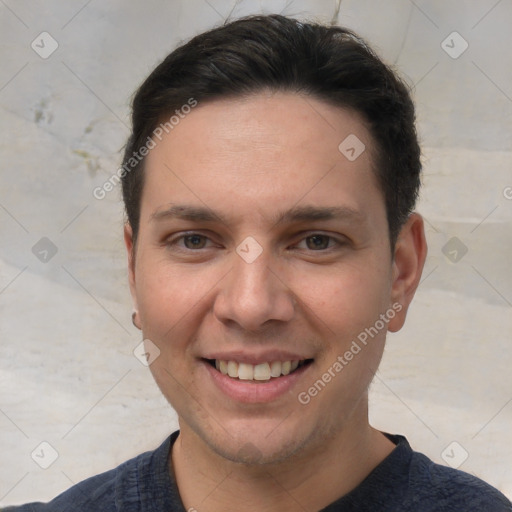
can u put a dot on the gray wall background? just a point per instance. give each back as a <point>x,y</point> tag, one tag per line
<point>68,376</point>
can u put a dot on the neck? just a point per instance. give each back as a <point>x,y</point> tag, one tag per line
<point>311,480</point>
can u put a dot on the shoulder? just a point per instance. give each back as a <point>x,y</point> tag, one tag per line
<point>111,491</point>
<point>95,493</point>
<point>445,488</point>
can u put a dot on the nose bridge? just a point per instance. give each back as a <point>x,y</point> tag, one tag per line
<point>254,293</point>
<point>252,278</point>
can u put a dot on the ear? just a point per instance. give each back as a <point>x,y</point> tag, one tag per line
<point>130,250</point>
<point>409,258</point>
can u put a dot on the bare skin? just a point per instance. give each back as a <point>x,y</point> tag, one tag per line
<point>319,281</point>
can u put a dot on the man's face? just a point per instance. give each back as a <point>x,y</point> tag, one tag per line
<point>261,242</point>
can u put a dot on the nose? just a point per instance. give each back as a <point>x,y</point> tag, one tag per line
<point>254,295</point>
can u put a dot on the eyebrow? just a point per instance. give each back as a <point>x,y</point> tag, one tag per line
<point>186,212</point>
<point>315,213</point>
<point>295,214</point>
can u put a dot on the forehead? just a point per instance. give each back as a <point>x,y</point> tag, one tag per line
<point>267,120</point>
<point>267,150</point>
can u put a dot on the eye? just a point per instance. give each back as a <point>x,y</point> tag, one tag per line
<point>194,241</point>
<point>190,241</point>
<point>319,242</point>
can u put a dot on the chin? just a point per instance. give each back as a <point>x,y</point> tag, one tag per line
<point>251,449</point>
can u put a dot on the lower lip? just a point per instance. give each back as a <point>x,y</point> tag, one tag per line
<point>255,391</point>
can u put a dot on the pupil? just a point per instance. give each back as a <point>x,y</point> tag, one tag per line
<point>195,241</point>
<point>318,241</point>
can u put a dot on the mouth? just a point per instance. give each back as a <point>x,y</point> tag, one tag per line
<point>262,372</point>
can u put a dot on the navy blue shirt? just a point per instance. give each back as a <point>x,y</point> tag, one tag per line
<point>404,481</point>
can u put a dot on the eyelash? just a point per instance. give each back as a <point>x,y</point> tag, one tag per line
<point>174,241</point>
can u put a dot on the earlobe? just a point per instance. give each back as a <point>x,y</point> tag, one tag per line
<point>409,258</point>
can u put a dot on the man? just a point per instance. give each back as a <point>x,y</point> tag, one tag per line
<point>269,183</point>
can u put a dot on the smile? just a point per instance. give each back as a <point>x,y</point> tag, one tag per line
<point>257,372</point>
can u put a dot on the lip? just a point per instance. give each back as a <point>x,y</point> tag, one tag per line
<point>257,358</point>
<point>254,391</point>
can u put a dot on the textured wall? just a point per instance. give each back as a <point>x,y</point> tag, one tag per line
<point>68,376</point>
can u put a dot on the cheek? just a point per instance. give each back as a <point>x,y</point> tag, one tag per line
<point>346,299</point>
<point>167,295</point>
<point>172,301</point>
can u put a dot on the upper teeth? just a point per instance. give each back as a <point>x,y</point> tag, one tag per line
<point>262,371</point>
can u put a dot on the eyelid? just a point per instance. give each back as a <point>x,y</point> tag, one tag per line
<point>304,235</point>
<point>338,240</point>
<point>175,237</point>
